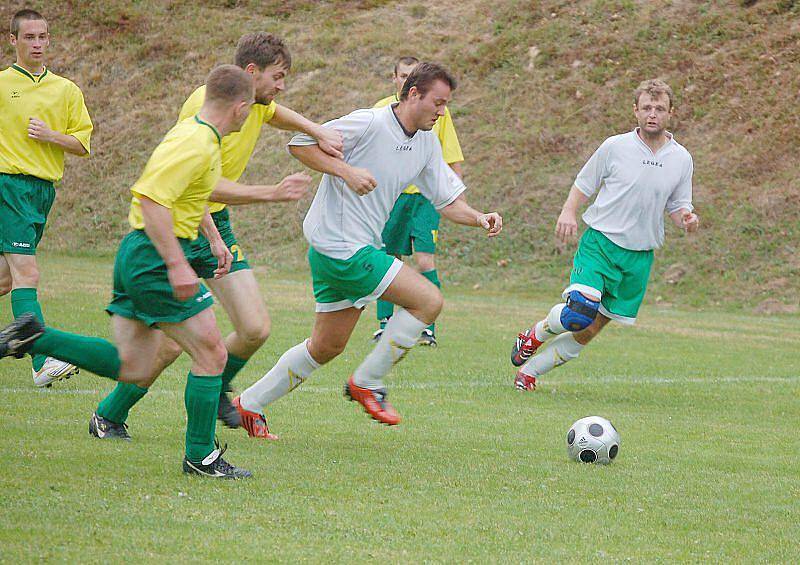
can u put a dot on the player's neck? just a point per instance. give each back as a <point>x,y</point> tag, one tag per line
<point>653,141</point>
<point>215,119</point>
<point>401,113</point>
<point>33,68</point>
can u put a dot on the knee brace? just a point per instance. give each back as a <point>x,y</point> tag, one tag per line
<point>579,312</point>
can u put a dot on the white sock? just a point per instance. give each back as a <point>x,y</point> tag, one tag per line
<point>551,326</point>
<point>400,335</point>
<point>289,372</point>
<point>556,353</point>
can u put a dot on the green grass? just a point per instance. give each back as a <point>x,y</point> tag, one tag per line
<point>707,402</point>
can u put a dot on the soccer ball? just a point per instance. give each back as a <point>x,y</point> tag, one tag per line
<point>593,440</point>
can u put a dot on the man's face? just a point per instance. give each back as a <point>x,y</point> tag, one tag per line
<point>242,111</point>
<point>399,78</point>
<point>653,113</point>
<point>31,42</point>
<point>429,108</point>
<point>268,82</point>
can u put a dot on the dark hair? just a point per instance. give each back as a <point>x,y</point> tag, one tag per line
<point>262,49</point>
<point>423,76</point>
<point>406,60</point>
<point>654,87</point>
<point>228,84</point>
<point>24,15</point>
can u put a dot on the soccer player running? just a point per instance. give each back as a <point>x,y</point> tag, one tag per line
<point>385,150</point>
<point>266,58</point>
<point>636,177</point>
<point>42,116</point>
<point>413,225</point>
<point>156,286</point>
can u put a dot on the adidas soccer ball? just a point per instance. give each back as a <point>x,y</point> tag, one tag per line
<point>593,440</point>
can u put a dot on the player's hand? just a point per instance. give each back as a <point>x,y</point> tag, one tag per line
<point>567,225</point>
<point>39,130</point>
<point>224,258</point>
<point>331,142</point>
<point>360,180</point>
<point>491,222</point>
<point>690,222</point>
<point>292,188</point>
<point>184,281</point>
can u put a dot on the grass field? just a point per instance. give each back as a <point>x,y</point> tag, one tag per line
<point>707,403</point>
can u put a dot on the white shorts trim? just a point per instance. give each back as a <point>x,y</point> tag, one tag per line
<point>387,279</point>
<point>621,319</point>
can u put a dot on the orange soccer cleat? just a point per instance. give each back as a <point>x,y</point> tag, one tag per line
<point>373,401</point>
<point>253,422</point>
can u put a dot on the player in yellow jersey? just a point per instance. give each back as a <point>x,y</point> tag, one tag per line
<point>156,286</point>
<point>266,58</point>
<point>413,226</point>
<point>42,116</point>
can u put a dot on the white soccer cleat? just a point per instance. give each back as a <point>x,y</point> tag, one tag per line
<point>53,370</point>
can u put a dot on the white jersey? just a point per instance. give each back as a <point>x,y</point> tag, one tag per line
<point>340,222</point>
<point>634,187</point>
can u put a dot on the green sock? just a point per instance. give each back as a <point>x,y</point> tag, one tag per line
<point>233,366</point>
<point>91,353</point>
<point>432,276</point>
<point>115,406</point>
<point>385,311</point>
<point>201,399</point>
<point>25,300</point>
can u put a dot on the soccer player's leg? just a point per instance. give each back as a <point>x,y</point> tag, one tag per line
<point>397,238</point>
<point>199,336</point>
<point>425,234</point>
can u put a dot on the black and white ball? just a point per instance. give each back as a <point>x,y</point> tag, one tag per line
<point>593,440</point>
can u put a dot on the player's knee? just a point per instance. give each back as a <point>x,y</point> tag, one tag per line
<point>255,334</point>
<point>579,312</point>
<point>425,262</point>
<point>217,358</point>
<point>5,285</point>
<point>434,301</point>
<point>327,351</point>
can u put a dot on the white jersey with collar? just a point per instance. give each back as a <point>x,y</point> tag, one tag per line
<point>634,187</point>
<point>340,222</point>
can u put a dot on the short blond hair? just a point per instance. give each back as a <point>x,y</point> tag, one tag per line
<point>654,87</point>
<point>227,84</point>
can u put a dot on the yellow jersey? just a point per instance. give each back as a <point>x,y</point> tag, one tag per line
<point>180,175</point>
<point>237,147</point>
<point>56,101</point>
<point>444,130</point>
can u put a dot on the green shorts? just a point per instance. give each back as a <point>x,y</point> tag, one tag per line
<point>614,275</point>
<point>353,282</point>
<point>141,287</point>
<point>204,261</point>
<point>413,226</point>
<point>25,202</point>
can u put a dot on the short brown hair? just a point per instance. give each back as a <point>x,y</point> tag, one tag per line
<point>228,84</point>
<point>405,60</point>
<point>654,87</point>
<point>24,15</point>
<point>423,76</point>
<point>262,49</point>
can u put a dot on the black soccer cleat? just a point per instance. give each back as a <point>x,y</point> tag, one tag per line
<point>101,428</point>
<point>227,412</point>
<point>427,338</point>
<point>215,467</point>
<point>17,338</point>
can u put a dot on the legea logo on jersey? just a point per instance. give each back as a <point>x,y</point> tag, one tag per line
<point>15,94</point>
<point>652,163</point>
<point>403,147</point>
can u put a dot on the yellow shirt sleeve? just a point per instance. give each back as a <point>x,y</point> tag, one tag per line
<point>170,170</point>
<point>193,103</point>
<point>79,124</point>
<point>451,148</point>
<point>269,112</point>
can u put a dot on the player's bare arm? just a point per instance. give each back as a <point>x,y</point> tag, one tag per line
<point>329,140</point>
<point>40,131</point>
<point>460,212</point>
<point>567,223</point>
<point>158,226</point>
<point>218,248</point>
<point>291,188</point>
<point>357,179</point>
<point>686,220</point>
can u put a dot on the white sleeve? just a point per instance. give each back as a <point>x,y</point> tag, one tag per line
<point>438,182</point>
<point>353,126</point>
<point>595,170</point>
<point>681,197</point>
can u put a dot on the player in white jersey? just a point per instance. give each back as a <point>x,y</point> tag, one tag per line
<point>385,150</point>
<point>637,176</point>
